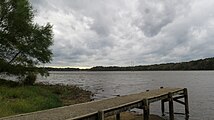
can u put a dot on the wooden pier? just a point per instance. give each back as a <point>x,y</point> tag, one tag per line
<point>99,110</point>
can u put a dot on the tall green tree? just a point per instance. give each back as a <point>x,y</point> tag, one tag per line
<point>23,43</point>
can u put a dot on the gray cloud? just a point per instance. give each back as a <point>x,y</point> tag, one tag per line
<point>157,14</point>
<point>109,32</point>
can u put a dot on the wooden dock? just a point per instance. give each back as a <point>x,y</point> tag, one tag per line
<point>98,110</point>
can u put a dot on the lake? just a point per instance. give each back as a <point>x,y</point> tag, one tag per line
<point>200,86</point>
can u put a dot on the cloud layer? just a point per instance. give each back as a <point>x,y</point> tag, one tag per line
<point>123,32</point>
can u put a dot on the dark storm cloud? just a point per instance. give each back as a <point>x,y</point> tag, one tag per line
<point>123,32</point>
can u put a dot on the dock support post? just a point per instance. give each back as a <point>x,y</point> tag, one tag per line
<point>186,103</point>
<point>162,108</point>
<point>146,109</point>
<point>101,115</point>
<point>118,116</point>
<point>171,109</point>
<point>162,105</point>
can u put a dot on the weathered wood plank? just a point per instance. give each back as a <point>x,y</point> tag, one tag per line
<point>162,107</point>
<point>171,108</point>
<point>101,115</point>
<point>118,116</point>
<point>186,103</point>
<point>146,109</point>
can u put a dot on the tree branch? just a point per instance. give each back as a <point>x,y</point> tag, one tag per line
<point>14,57</point>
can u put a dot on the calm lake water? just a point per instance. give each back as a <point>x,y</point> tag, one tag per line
<point>200,86</point>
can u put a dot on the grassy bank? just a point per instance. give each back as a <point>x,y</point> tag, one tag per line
<point>16,99</point>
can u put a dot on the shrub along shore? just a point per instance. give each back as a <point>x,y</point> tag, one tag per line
<point>16,98</point>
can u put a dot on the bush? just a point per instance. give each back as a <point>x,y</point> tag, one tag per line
<point>30,79</point>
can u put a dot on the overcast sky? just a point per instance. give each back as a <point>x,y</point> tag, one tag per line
<point>127,32</point>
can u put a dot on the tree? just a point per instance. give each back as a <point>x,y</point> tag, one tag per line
<point>23,44</point>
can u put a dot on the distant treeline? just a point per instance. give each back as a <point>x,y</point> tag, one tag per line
<point>62,69</point>
<point>202,64</point>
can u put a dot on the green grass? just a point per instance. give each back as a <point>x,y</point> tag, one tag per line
<point>16,99</point>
